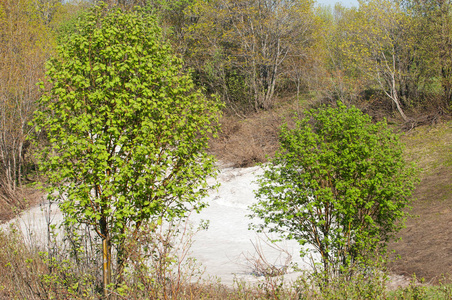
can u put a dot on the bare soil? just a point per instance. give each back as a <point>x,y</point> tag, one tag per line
<point>425,248</point>
<point>247,142</point>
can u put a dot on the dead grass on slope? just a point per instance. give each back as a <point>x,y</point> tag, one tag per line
<point>245,142</point>
<point>426,243</point>
<point>13,204</point>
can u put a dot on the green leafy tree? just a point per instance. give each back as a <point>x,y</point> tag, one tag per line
<point>339,182</point>
<point>434,41</point>
<point>127,130</point>
<point>341,79</point>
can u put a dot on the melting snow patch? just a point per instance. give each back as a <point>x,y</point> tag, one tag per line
<point>227,249</point>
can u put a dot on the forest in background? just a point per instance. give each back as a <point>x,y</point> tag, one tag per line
<point>389,58</point>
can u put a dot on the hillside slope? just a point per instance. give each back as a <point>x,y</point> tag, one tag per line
<point>425,247</point>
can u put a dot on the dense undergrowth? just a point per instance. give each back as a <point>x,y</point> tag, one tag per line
<point>160,269</point>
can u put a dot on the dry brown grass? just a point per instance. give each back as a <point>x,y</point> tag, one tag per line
<point>245,142</point>
<point>13,202</point>
<point>29,272</point>
<point>426,245</point>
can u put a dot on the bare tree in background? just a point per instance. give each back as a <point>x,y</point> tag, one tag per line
<point>251,40</point>
<point>24,44</point>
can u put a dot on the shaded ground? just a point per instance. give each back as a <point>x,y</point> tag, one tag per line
<point>426,245</point>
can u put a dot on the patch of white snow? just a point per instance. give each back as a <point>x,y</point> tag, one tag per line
<point>222,248</point>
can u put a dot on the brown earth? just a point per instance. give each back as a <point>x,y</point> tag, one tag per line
<point>23,197</point>
<point>246,142</point>
<point>425,248</point>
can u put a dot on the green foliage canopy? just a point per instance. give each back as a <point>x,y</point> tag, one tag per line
<point>339,182</point>
<point>127,129</point>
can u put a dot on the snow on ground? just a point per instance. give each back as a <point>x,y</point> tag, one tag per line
<point>223,248</point>
<point>34,222</point>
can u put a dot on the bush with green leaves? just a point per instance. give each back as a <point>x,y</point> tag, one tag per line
<point>339,182</point>
<point>127,130</point>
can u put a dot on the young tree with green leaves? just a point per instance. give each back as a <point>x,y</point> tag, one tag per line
<point>340,79</point>
<point>127,130</point>
<point>433,36</point>
<point>339,182</point>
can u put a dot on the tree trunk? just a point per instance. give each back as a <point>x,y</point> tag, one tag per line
<point>106,251</point>
<point>398,105</point>
<point>391,80</point>
<point>106,272</point>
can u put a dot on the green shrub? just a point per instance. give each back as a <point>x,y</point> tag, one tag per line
<point>340,183</point>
